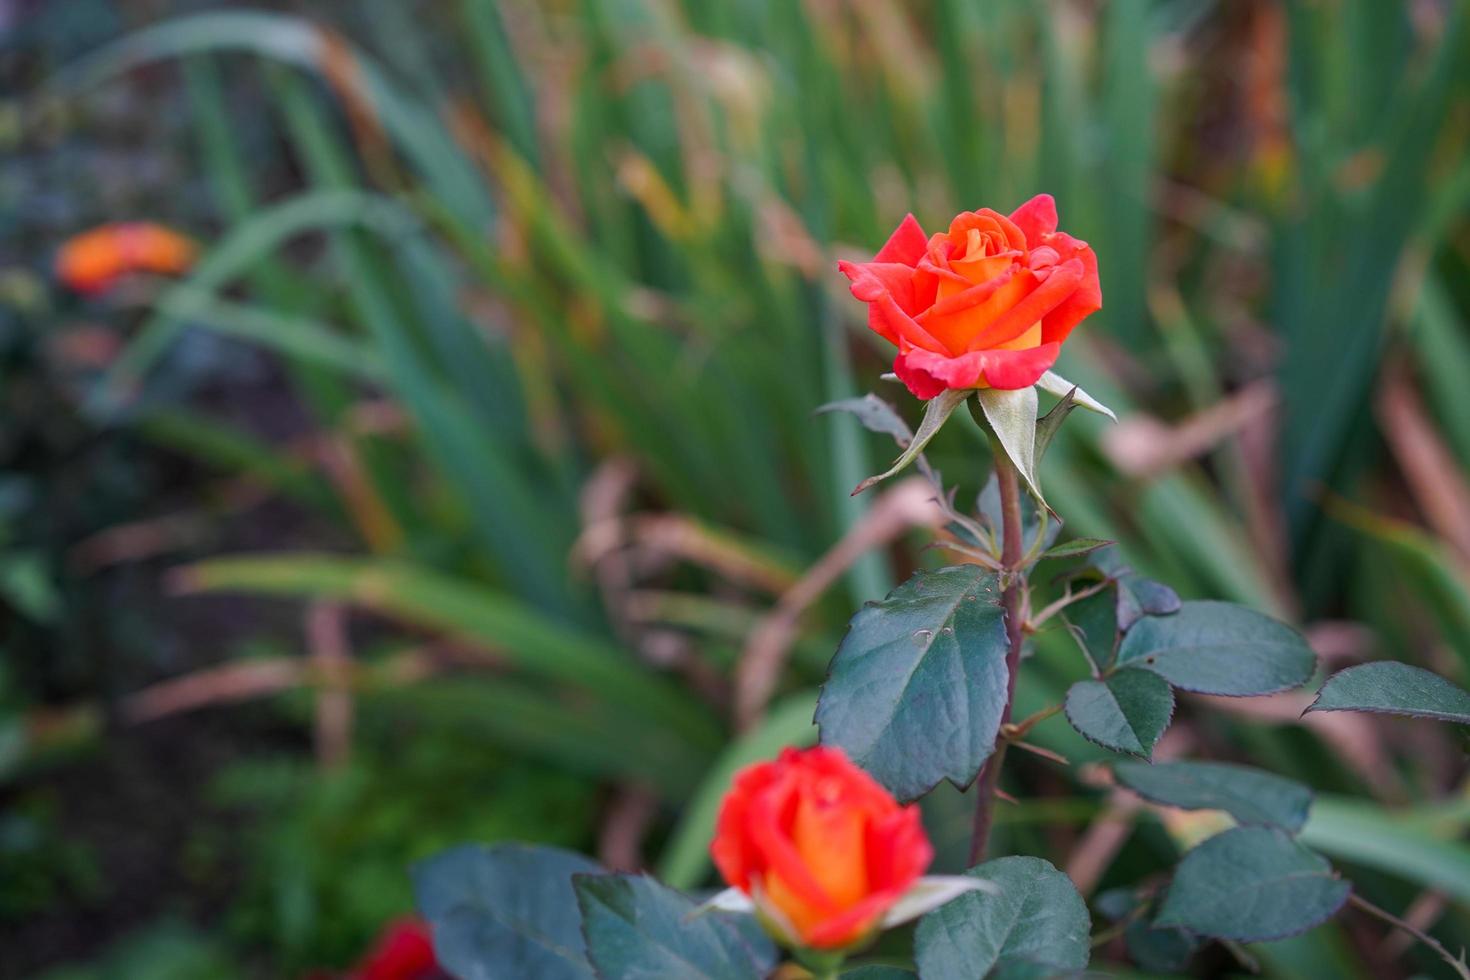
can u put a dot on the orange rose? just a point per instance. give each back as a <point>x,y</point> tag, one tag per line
<point>987,304</point>
<point>820,848</point>
<point>92,261</point>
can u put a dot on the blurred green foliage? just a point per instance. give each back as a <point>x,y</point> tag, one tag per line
<point>329,851</point>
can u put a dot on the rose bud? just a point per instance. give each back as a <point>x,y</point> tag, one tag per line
<point>93,261</point>
<point>986,304</point>
<point>822,854</point>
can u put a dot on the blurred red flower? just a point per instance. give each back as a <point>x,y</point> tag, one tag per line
<point>403,951</point>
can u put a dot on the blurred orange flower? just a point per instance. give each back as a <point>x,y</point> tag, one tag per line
<point>986,304</point>
<point>94,260</point>
<point>822,850</point>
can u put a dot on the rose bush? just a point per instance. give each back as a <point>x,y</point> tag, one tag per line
<point>987,304</point>
<point>922,689</point>
<point>821,849</point>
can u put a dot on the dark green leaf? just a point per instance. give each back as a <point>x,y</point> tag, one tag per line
<point>1093,623</point>
<point>1010,418</point>
<point>937,411</point>
<point>1252,884</point>
<point>637,928</point>
<point>1219,648</point>
<point>506,910</point>
<point>875,415</point>
<point>1393,688</point>
<point>1075,548</point>
<point>1159,949</point>
<point>917,687</point>
<point>1055,384</point>
<point>1249,795</point>
<point>1050,424</point>
<point>1035,926</point>
<point>1137,596</point>
<point>1109,561</point>
<point>1126,713</point>
<point>878,972</point>
<point>1115,903</point>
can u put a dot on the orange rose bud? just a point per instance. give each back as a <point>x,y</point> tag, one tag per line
<point>93,261</point>
<point>821,849</point>
<point>986,304</point>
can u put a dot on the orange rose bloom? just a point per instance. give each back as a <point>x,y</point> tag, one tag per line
<point>93,261</point>
<point>818,845</point>
<point>986,304</point>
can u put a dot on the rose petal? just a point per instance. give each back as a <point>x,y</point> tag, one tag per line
<point>956,322</point>
<point>1085,300</point>
<point>1001,229</point>
<point>898,850</point>
<point>1012,369</point>
<point>851,924</point>
<point>927,374</point>
<point>733,851</point>
<point>907,244</point>
<point>1036,218</point>
<point>829,831</point>
<point>890,290</point>
<point>1059,284</point>
<point>779,851</point>
<point>920,383</point>
<point>963,300</point>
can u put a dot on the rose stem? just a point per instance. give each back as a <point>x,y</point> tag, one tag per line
<point>1011,545</point>
<point>1456,963</point>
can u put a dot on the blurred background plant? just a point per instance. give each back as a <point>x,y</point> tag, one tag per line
<point>469,486</point>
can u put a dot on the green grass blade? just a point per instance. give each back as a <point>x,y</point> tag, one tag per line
<point>534,643</point>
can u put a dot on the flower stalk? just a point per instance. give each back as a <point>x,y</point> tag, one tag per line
<point>1012,599</point>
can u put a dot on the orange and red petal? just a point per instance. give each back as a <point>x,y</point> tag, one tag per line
<point>927,374</point>
<point>920,383</point>
<point>858,785</point>
<point>907,244</point>
<point>851,924</point>
<point>991,223</point>
<point>768,825</point>
<point>1052,292</point>
<point>1036,218</point>
<point>871,279</point>
<point>957,324</point>
<point>1085,300</point>
<point>888,288</point>
<point>898,850</point>
<point>733,851</point>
